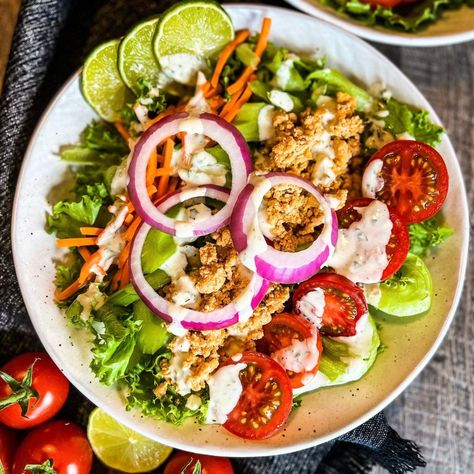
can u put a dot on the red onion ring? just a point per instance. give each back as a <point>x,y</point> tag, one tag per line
<point>237,311</point>
<point>218,130</point>
<point>266,261</point>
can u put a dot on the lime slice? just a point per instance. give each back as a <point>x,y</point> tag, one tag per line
<point>121,448</point>
<point>102,85</point>
<point>187,34</point>
<point>135,55</point>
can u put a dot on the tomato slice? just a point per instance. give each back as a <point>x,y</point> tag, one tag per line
<point>281,333</point>
<point>184,463</point>
<point>266,399</point>
<point>415,179</point>
<point>399,243</point>
<point>344,303</point>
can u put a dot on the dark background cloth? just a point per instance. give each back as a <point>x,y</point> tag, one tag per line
<point>51,41</point>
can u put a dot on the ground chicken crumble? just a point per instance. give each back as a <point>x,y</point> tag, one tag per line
<point>300,145</point>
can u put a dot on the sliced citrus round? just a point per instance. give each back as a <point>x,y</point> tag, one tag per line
<point>119,447</point>
<point>136,59</point>
<point>101,83</point>
<point>187,34</point>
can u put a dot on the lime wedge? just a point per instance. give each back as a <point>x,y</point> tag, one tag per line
<point>121,448</point>
<point>187,34</point>
<point>135,55</point>
<point>101,83</point>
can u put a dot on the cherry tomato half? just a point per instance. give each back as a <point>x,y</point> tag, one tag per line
<point>399,243</point>
<point>266,399</point>
<point>344,303</point>
<point>63,442</point>
<point>183,463</point>
<point>281,332</point>
<point>383,3</point>
<point>415,179</point>
<point>7,449</point>
<point>47,380</point>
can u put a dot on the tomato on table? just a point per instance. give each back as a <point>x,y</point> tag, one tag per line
<point>344,303</point>
<point>399,243</point>
<point>32,390</point>
<point>60,441</point>
<point>413,179</point>
<point>266,399</point>
<point>281,332</point>
<point>184,463</point>
<point>7,449</point>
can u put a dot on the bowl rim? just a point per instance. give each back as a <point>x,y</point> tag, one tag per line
<point>383,35</point>
<point>265,449</point>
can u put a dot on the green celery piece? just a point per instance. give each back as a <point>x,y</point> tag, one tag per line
<point>247,55</point>
<point>152,334</point>
<point>127,295</point>
<point>158,248</point>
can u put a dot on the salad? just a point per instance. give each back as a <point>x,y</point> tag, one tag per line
<point>403,15</point>
<point>240,217</point>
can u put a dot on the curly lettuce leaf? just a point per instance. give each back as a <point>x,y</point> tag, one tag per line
<point>411,17</point>
<point>405,118</point>
<point>427,235</point>
<point>67,270</point>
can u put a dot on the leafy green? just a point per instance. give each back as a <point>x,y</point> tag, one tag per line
<point>144,378</point>
<point>246,55</point>
<point>153,333</point>
<point>113,348</point>
<point>246,121</point>
<point>67,270</point>
<point>337,82</point>
<point>44,468</point>
<point>331,365</point>
<point>100,144</point>
<point>409,17</point>
<point>408,292</point>
<point>426,235</point>
<point>404,118</point>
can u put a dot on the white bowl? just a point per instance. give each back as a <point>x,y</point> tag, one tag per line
<point>455,26</point>
<point>324,414</point>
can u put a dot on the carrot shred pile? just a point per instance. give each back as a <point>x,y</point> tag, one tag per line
<point>159,181</point>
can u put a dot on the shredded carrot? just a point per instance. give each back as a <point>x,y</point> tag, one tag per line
<point>216,102</point>
<point>120,127</point>
<point>132,229</point>
<point>151,190</point>
<point>231,114</point>
<point>130,206</point>
<point>230,104</point>
<point>90,230</point>
<point>125,276</point>
<point>226,54</point>
<point>262,42</point>
<point>87,267</point>
<point>173,184</point>
<point>76,242</point>
<point>114,284</point>
<point>124,255</point>
<point>84,253</point>
<point>151,168</point>
<point>163,171</point>
<point>167,154</point>
<point>65,294</point>
<point>129,219</point>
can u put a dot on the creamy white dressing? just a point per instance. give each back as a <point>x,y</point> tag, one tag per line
<point>283,74</point>
<point>204,169</point>
<point>312,305</point>
<point>281,99</point>
<point>175,265</point>
<point>372,180</point>
<point>256,243</point>
<point>186,294</point>
<point>225,389</point>
<point>378,136</point>
<point>323,173</point>
<point>334,201</point>
<point>193,402</point>
<point>299,356</point>
<point>359,347</point>
<point>91,299</point>
<point>265,122</point>
<point>180,374</point>
<point>360,253</point>
<point>120,180</point>
<point>198,103</point>
<point>183,67</point>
